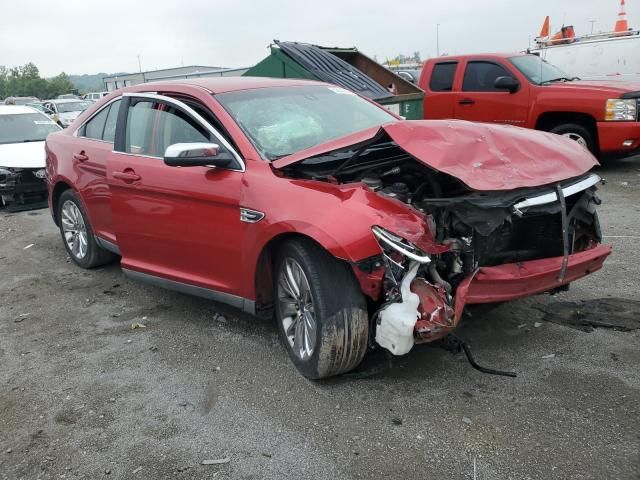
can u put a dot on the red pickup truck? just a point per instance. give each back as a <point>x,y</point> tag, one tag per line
<point>526,91</point>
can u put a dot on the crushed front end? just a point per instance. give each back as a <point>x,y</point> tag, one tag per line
<point>23,188</point>
<point>499,246</point>
<point>456,245</point>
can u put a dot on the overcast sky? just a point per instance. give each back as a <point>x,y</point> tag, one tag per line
<point>88,36</point>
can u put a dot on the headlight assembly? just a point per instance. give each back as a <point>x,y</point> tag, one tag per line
<point>389,240</point>
<point>621,110</point>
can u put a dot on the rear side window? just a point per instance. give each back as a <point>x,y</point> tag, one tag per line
<point>481,76</point>
<point>94,127</point>
<point>103,125</point>
<point>153,126</point>
<point>442,76</point>
<point>110,124</point>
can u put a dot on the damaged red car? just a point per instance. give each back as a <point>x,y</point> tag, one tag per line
<point>301,200</point>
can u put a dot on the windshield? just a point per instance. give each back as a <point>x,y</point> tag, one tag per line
<point>67,107</point>
<point>25,127</point>
<point>538,70</point>
<point>284,120</point>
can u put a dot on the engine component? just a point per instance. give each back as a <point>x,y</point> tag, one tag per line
<point>374,184</point>
<point>436,315</point>
<point>397,190</point>
<point>394,329</point>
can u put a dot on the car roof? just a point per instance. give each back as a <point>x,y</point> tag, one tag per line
<point>224,84</point>
<point>484,56</point>
<point>64,100</point>
<point>17,109</point>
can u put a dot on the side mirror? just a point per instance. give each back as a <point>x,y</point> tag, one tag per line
<point>196,155</point>
<point>507,83</point>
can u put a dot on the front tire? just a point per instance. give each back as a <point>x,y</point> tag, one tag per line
<point>321,311</point>
<point>77,234</point>
<point>579,134</point>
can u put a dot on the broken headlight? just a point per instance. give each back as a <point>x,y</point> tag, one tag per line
<point>390,242</point>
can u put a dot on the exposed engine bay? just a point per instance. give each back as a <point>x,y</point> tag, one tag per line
<point>479,229</point>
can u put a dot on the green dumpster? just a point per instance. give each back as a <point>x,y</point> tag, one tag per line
<point>346,67</point>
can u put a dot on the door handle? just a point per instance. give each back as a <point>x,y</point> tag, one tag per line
<point>81,157</point>
<point>127,177</point>
<point>467,101</point>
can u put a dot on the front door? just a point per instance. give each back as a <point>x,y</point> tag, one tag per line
<point>181,224</point>
<point>479,100</point>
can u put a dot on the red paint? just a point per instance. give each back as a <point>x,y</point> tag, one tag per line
<point>527,106</point>
<point>184,224</point>
<point>436,316</point>
<point>483,156</point>
<point>518,280</point>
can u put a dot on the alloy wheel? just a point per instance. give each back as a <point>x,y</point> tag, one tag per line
<point>74,229</point>
<point>576,138</point>
<point>296,308</point>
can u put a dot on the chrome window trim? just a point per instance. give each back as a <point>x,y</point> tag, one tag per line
<point>551,197</point>
<point>75,132</point>
<point>195,116</point>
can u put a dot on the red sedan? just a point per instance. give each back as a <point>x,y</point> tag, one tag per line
<point>303,200</point>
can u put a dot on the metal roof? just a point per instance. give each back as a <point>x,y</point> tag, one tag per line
<point>329,68</point>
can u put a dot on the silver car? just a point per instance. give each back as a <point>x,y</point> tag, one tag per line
<point>65,111</point>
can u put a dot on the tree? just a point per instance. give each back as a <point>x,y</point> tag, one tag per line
<point>25,81</point>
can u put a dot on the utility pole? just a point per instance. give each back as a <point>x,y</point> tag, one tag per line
<point>437,39</point>
<point>139,64</point>
<point>592,22</point>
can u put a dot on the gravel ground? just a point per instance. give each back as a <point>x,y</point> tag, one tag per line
<point>83,395</point>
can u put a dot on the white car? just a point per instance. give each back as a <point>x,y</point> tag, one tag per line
<point>65,111</point>
<point>23,131</point>
<point>94,96</point>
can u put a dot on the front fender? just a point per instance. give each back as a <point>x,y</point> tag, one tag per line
<point>337,217</point>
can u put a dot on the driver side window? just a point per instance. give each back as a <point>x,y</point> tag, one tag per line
<point>152,126</point>
<point>481,76</point>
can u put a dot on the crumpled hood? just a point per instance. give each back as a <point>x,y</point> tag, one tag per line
<point>483,156</point>
<point>22,155</point>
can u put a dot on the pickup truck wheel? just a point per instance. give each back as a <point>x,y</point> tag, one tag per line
<point>321,311</point>
<point>578,134</point>
<point>77,234</point>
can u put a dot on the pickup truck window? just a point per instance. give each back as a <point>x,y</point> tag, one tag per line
<point>538,70</point>
<point>442,76</point>
<point>481,76</point>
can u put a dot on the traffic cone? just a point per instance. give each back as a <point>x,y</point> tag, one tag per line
<point>621,24</point>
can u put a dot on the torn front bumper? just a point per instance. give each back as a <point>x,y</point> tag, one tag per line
<point>517,280</point>
<point>23,188</point>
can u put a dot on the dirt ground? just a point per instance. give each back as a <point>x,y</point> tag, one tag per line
<point>83,395</point>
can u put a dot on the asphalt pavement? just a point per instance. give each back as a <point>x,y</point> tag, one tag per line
<point>85,395</point>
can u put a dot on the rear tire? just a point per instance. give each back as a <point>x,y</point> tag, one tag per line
<point>77,234</point>
<point>321,311</point>
<point>577,133</point>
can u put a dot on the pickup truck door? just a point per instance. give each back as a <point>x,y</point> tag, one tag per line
<point>437,82</point>
<point>175,226</point>
<point>478,100</point>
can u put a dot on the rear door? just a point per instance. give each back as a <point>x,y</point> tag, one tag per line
<point>480,101</point>
<point>89,157</point>
<point>181,224</point>
<point>439,101</point>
